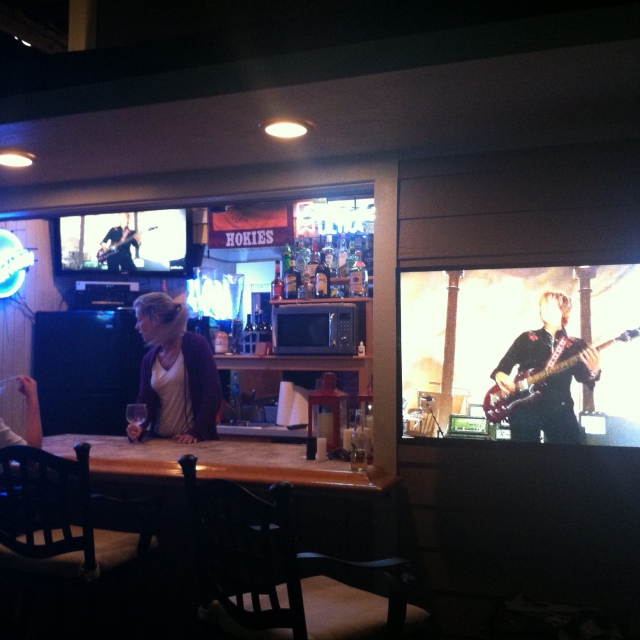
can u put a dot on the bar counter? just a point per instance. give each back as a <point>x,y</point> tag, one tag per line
<point>252,462</point>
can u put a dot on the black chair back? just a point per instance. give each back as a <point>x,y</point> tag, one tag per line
<point>41,496</point>
<point>244,547</point>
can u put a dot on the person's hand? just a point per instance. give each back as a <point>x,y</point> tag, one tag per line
<point>505,383</point>
<point>28,387</point>
<point>137,237</point>
<point>134,431</point>
<point>591,359</point>
<point>184,438</point>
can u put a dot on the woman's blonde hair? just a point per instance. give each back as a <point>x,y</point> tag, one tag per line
<point>563,300</point>
<point>172,315</point>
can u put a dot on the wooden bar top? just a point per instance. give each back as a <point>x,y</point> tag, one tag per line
<point>249,462</point>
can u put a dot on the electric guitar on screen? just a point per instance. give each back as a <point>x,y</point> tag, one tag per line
<point>530,384</point>
<point>103,254</point>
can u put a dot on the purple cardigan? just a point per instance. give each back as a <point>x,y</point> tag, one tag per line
<point>204,386</point>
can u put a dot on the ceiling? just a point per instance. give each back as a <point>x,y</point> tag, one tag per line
<point>464,90</point>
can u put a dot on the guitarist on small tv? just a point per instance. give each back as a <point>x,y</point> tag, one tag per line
<point>550,410</point>
<point>121,238</point>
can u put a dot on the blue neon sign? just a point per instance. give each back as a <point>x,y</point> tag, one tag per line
<point>14,260</point>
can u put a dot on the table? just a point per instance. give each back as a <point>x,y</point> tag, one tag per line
<point>251,462</point>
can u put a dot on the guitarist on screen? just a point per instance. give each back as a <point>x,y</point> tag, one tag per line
<point>121,238</point>
<point>552,410</point>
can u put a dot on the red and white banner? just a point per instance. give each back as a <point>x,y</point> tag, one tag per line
<point>251,226</point>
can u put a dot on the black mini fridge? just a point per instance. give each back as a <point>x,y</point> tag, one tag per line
<point>87,366</point>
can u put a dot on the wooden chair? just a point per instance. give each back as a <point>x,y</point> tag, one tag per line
<point>249,572</point>
<point>48,544</point>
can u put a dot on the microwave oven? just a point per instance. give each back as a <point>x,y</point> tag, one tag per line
<point>316,329</point>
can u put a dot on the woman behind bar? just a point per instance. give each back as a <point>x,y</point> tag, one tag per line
<point>179,380</point>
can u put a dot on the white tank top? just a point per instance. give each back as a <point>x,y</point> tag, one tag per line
<point>176,413</point>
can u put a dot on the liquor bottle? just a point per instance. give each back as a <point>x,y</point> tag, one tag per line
<point>343,252</point>
<point>291,282</point>
<point>351,258</point>
<point>286,257</point>
<point>329,255</point>
<point>310,289</point>
<point>303,256</point>
<point>277,286</point>
<point>358,278</point>
<point>358,449</point>
<point>257,318</point>
<point>312,265</point>
<point>367,254</point>
<point>306,290</point>
<point>249,326</point>
<point>322,279</point>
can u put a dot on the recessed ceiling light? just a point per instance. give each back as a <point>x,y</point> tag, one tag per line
<point>286,127</point>
<point>12,158</point>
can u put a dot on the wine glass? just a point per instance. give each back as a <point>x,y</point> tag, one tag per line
<point>136,414</point>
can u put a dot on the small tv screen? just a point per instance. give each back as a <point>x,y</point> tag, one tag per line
<point>127,243</point>
<point>548,354</point>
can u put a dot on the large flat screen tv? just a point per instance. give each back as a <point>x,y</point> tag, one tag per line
<point>122,244</point>
<point>460,327</point>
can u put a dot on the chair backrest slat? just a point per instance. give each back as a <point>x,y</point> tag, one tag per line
<point>43,505</point>
<point>26,498</point>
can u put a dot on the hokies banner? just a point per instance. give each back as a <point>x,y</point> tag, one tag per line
<point>251,226</point>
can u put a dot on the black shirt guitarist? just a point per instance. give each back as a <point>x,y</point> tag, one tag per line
<point>121,239</point>
<point>546,405</point>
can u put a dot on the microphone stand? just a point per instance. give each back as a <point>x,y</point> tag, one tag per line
<point>429,402</point>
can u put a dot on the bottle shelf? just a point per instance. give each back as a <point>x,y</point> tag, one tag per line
<point>363,365</point>
<point>321,301</point>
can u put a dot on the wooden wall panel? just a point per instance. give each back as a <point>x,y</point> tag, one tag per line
<point>421,485</point>
<point>621,154</point>
<point>492,523</point>
<point>532,189</point>
<point>38,293</point>
<point>552,206</point>
<point>602,231</point>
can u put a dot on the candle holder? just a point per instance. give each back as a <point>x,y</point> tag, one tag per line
<point>328,397</point>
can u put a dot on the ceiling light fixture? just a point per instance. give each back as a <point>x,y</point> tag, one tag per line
<point>13,158</point>
<point>286,127</point>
